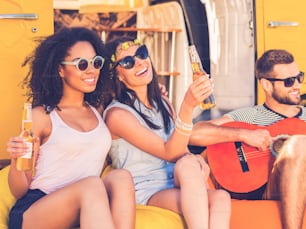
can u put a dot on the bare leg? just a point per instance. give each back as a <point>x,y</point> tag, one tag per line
<point>84,201</point>
<point>120,188</point>
<point>219,209</point>
<point>190,199</point>
<point>292,166</point>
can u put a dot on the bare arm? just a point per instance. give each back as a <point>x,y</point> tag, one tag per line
<point>211,132</point>
<point>130,129</point>
<point>142,137</point>
<point>19,181</point>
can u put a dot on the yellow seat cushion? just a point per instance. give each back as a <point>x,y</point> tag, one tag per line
<point>150,217</point>
<point>7,200</point>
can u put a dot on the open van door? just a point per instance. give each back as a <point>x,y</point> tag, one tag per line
<point>281,24</point>
<point>20,23</point>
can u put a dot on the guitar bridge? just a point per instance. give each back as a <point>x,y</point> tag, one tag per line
<point>242,157</point>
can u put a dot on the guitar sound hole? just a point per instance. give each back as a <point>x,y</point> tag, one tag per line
<point>277,144</point>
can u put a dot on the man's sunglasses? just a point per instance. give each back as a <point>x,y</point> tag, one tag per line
<point>83,63</point>
<point>289,82</point>
<point>128,62</point>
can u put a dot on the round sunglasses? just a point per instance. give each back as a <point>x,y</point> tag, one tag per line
<point>289,82</point>
<point>82,64</point>
<point>128,62</point>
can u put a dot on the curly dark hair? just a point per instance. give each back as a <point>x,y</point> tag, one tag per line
<point>43,82</point>
<point>113,88</point>
<point>264,65</point>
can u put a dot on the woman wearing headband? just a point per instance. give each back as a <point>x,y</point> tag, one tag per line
<point>72,141</point>
<point>150,141</point>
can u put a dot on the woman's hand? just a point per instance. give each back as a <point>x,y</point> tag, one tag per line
<point>16,147</point>
<point>200,89</point>
<point>163,90</point>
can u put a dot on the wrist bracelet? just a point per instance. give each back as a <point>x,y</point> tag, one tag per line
<point>182,125</point>
<point>183,132</point>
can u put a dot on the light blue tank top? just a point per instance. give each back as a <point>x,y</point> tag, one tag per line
<point>151,174</point>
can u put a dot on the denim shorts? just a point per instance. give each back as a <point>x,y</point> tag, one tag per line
<point>21,205</point>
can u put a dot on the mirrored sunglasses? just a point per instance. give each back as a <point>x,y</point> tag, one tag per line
<point>289,82</point>
<point>83,63</point>
<point>128,62</point>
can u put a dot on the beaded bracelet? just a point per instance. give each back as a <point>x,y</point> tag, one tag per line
<point>183,132</point>
<point>183,126</point>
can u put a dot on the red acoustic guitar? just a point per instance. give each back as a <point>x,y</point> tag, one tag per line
<point>241,168</point>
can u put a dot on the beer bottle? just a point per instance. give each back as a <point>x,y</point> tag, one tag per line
<point>25,162</point>
<point>197,69</point>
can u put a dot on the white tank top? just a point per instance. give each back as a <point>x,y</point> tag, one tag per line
<point>70,155</point>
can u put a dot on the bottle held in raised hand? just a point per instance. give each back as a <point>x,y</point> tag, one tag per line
<point>197,70</point>
<point>25,162</point>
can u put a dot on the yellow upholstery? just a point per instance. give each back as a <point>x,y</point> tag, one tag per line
<point>6,198</point>
<point>149,217</point>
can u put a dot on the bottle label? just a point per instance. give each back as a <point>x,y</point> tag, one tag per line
<point>28,154</point>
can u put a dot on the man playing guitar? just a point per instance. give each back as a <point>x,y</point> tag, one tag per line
<point>260,129</point>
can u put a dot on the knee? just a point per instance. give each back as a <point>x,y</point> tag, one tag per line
<point>293,151</point>
<point>297,143</point>
<point>119,178</point>
<point>189,167</point>
<point>93,185</point>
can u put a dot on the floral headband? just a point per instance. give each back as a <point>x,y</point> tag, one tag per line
<point>123,46</point>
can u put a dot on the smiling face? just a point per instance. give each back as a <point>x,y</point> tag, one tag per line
<point>280,93</point>
<point>74,79</point>
<point>140,75</point>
